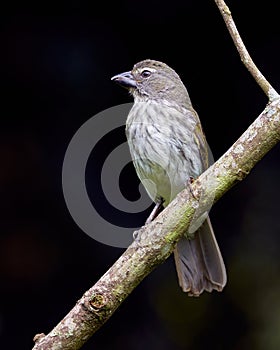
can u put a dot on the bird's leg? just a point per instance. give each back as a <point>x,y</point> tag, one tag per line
<point>152,216</point>
<point>155,211</point>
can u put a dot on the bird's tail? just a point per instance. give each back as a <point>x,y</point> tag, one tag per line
<point>199,262</point>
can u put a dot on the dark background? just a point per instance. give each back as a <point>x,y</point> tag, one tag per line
<point>56,63</point>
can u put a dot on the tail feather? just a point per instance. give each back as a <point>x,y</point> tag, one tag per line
<point>199,262</point>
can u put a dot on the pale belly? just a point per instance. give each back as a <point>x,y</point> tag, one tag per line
<point>165,159</point>
<point>161,167</point>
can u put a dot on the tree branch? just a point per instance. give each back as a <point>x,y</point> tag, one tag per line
<point>244,54</point>
<point>156,241</point>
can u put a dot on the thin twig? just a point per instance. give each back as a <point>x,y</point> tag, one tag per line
<point>244,55</point>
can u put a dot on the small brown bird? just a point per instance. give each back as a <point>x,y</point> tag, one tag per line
<point>168,147</point>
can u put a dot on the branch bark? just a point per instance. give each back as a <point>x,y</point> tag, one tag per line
<point>156,241</point>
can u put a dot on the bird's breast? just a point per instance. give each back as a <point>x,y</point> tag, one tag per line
<point>161,146</point>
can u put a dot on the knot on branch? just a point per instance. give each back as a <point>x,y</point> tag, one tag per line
<point>97,302</point>
<point>38,337</point>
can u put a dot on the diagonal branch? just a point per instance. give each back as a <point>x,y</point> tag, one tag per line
<point>244,54</point>
<point>157,240</point>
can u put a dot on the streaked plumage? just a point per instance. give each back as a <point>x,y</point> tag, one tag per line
<point>168,148</point>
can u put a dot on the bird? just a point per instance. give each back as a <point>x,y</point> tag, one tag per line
<point>168,148</point>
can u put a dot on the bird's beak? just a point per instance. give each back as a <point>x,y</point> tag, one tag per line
<point>125,79</point>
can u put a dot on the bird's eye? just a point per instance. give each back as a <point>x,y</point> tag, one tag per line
<point>145,73</point>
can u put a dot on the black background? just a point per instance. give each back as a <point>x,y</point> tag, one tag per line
<point>56,63</point>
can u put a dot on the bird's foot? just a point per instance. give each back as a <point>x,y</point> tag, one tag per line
<point>155,211</point>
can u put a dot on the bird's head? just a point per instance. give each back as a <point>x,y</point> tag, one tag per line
<point>154,80</point>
